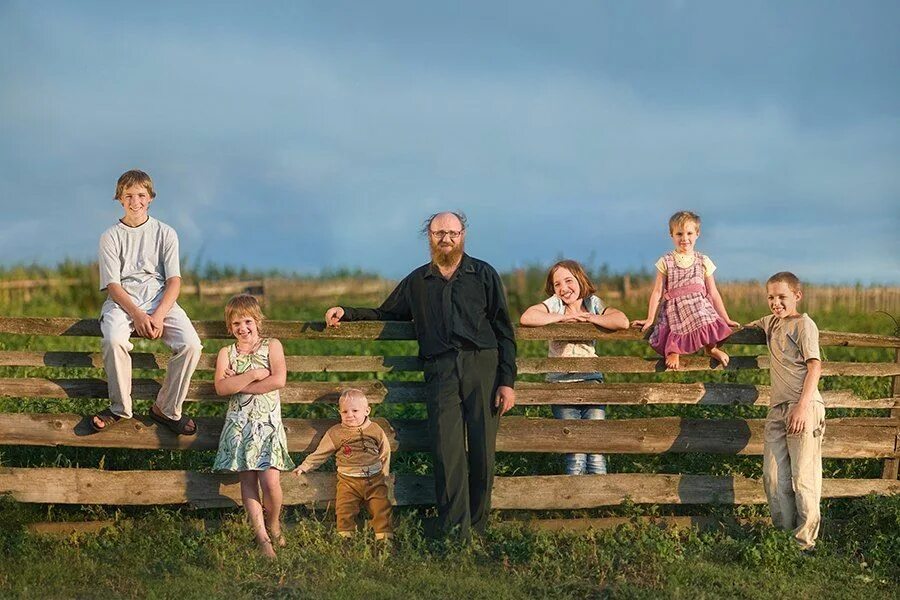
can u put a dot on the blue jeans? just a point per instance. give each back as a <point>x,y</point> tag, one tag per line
<point>580,463</point>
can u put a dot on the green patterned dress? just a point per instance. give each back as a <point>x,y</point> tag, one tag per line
<point>253,437</point>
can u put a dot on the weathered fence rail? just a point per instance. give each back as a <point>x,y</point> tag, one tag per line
<point>851,437</point>
<point>92,486</point>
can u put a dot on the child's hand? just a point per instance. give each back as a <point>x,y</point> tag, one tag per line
<point>796,418</point>
<point>143,325</point>
<point>333,316</point>
<point>581,317</point>
<point>298,471</point>
<point>642,324</point>
<point>259,374</point>
<point>158,321</point>
<point>229,372</point>
<point>733,324</point>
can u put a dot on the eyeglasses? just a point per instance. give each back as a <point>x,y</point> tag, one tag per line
<point>440,234</point>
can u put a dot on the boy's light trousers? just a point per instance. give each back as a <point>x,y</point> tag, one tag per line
<point>178,333</point>
<point>792,471</point>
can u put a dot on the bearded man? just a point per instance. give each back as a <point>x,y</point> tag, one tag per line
<point>468,347</point>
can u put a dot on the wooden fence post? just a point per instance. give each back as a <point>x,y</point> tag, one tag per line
<point>892,465</point>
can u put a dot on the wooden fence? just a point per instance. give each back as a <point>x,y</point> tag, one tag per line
<point>269,288</point>
<point>524,290</point>
<point>852,437</point>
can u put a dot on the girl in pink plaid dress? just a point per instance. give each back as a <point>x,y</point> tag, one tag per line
<point>692,315</point>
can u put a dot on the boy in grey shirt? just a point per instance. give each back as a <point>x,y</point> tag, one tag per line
<point>140,271</point>
<point>795,424</point>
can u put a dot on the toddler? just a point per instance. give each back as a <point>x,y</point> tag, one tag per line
<point>363,456</point>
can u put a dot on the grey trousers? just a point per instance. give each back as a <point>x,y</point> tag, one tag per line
<point>462,425</point>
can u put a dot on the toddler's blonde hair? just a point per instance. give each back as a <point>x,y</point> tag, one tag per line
<point>352,394</point>
<point>681,217</point>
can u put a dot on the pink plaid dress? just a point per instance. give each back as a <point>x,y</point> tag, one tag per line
<point>687,319</point>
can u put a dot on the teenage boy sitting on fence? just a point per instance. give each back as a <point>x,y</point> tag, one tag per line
<point>139,269</point>
<point>795,424</point>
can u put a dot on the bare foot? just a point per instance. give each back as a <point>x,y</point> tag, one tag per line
<point>673,361</point>
<point>719,355</point>
<point>277,538</point>
<point>273,525</point>
<point>265,547</point>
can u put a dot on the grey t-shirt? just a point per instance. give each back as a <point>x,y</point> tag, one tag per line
<point>140,259</point>
<point>792,342</point>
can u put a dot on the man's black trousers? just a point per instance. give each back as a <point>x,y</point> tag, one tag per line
<point>460,388</point>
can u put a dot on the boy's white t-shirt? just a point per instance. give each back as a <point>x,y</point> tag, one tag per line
<point>140,259</point>
<point>562,348</point>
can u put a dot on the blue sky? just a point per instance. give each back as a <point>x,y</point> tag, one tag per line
<point>313,135</point>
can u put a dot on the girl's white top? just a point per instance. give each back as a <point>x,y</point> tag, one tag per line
<point>560,348</point>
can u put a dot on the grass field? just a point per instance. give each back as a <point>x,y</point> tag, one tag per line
<point>171,552</point>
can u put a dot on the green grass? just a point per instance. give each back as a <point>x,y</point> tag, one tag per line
<point>167,553</point>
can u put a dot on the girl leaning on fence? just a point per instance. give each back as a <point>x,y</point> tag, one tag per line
<point>572,300</point>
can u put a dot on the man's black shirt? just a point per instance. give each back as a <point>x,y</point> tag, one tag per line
<point>466,311</point>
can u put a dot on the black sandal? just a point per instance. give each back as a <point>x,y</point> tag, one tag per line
<point>107,417</point>
<point>180,426</point>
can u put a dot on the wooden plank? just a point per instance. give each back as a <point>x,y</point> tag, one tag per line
<point>399,392</point>
<point>582,331</point>
<point>91,486</point>
<point>631,364</point>
<point>846,438</point>
<point>389,364</point>
<point>705,394</point>
<point>143,433</point>
<point>295,392</point>
<point>145,360</point>
<point>892,466</point>
<point>376,330</point>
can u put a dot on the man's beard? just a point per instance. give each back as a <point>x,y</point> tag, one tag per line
<point>447,259</point>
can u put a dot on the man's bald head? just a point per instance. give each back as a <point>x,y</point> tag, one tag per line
<point>448,220</point>
<point>446,232</point>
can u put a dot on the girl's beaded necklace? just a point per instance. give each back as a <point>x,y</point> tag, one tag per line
<point>252,350</point>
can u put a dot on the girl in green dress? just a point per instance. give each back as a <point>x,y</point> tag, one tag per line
<point>253,442</point>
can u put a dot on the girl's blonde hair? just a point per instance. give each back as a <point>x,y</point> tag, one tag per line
<point>682,217</point>
<point>243,305</point>
<point>584,282</point>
